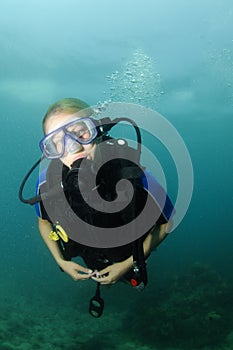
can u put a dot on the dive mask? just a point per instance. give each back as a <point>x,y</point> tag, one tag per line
<point>68,137</point>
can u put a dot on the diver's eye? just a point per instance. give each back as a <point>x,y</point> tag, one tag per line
<point>59,146</point>
<point>84,134</point>
<point>58,142</point>
<point>80,133</point>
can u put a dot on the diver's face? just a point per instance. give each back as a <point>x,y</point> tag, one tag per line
<point>76,150</point>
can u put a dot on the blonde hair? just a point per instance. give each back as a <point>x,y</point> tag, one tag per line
<point>70,105</point>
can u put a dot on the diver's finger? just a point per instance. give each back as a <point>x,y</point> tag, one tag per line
<point>100,274</point>
<point>105,271</point>
<point>101,280</point>
<point>83,269</point>
<point>80,276</point>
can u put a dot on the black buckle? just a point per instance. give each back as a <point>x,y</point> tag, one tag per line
<point>96,306</point>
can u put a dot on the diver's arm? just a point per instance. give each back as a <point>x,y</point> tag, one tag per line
<point>45,228</point>
<point>116,271</point>
<point>70,267</point>
<point>155,237</point>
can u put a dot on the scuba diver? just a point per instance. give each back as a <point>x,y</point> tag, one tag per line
<point>84,206</point>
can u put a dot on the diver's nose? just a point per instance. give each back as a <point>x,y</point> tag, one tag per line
<point>72,146</point>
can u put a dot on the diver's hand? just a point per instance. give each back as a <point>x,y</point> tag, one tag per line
<point>76,271</point>
<point>112,273</point>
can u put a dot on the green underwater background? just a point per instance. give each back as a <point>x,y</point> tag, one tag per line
<point>175,57</point>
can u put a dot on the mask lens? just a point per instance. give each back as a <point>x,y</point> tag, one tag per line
<point>82,130</point>
<point>72,146</point>
<point>52,144</point>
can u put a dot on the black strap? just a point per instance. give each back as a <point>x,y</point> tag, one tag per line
<point>96,306</point>
<point>139,280</point>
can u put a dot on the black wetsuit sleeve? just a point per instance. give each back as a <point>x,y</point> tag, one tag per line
<point>44,214</point>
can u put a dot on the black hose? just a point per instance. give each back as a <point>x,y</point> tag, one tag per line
<point>34,199</point>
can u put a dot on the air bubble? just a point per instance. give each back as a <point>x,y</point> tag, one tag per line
<point>138,81</point>
<point>221,65</point>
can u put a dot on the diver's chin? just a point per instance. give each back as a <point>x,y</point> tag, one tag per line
<point>78,157</point>
<point>77,163</point>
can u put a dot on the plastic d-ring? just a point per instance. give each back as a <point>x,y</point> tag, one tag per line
<point>96,306</point>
